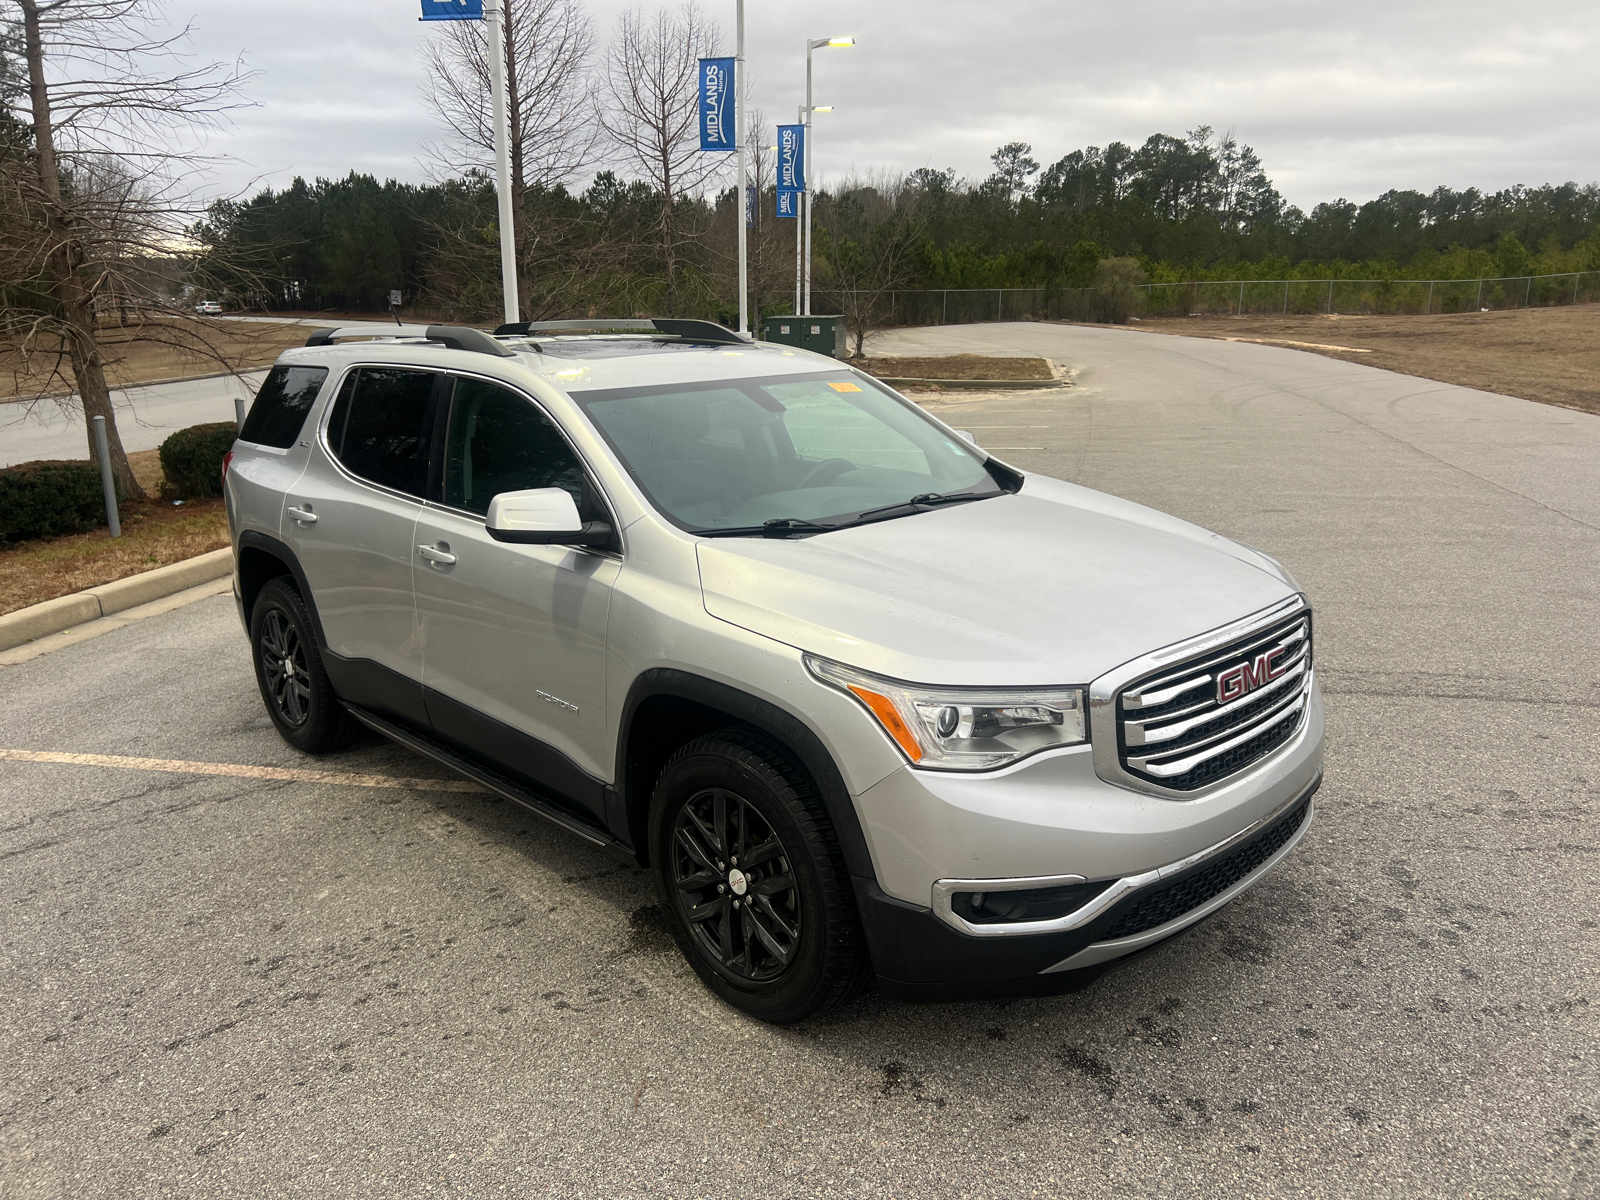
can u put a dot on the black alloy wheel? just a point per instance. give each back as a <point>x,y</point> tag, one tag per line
<point>294,685</point>
<point>283,663</point>
<point>735,885</point>
<point>751,878</point>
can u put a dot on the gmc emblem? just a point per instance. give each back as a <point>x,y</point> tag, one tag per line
<point>1240,681</point>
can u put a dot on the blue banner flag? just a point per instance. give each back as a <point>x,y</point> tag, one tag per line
<point>452,10</point>
<point>752,206</point>
<point>716,104</point>
<point>791,158</point>
<point>788,203</point>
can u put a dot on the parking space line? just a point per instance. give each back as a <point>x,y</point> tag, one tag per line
<point>239,770</point>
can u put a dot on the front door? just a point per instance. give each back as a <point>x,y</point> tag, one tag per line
<point>514,636</point>
<point>351,521</point>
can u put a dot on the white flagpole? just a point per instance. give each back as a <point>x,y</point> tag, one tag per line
<point>740,208</point>
<point>502,161</point>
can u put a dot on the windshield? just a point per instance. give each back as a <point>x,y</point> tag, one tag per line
<point>736,454</point>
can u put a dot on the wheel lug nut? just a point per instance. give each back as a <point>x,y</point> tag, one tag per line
<point>722,887</point>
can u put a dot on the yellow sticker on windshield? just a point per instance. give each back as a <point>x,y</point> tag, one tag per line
<point>844,387</point>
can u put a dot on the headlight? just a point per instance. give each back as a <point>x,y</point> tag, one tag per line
<point>962,729</point>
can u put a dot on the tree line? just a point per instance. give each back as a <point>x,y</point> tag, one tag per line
<point>1198,207</point>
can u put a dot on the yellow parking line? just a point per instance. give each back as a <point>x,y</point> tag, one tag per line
<point>241,770</point>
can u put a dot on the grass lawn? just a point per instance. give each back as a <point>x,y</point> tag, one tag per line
<point>955,366</point>
<point>142,355</point>
<point>154,533</point>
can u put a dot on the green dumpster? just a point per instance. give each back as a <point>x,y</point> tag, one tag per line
<point>822,335</point>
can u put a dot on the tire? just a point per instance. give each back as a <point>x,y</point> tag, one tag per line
<point>300,701</point>
<point>775,935</point>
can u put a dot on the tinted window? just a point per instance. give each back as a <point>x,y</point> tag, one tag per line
<point>379,426</point>
<point>499,442</point>
<point>281,405</point>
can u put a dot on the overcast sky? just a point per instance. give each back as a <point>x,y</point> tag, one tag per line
<point>1347,99</point>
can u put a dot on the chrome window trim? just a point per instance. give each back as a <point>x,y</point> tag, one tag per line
<point>945,889</point>
<point>1103,699</point>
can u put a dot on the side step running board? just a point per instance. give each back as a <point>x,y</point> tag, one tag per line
<point>496,783</point>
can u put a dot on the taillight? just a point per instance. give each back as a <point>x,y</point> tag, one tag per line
<point>226,459</point>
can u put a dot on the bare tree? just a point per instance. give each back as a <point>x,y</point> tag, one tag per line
<point>865,245</point>
<point>548,44</point>
<point>97,200</point>
<point>647,106</point>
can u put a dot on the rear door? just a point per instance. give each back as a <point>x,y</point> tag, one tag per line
<point>514,636</point>
<point>350,519</point>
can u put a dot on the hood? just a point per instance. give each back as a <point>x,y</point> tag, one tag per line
<point>1053,585</point>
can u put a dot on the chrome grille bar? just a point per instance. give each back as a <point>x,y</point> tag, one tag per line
<point>1164,729</point>
<point>1195,723</point>
<point>1292,705</point>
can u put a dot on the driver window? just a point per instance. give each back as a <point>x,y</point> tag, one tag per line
<point>498,442</point>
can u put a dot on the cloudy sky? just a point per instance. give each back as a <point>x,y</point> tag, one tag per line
<point>1346,99</point>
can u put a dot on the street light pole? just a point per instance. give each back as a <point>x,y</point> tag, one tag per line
<point>502,161</point>
<point>799,224</point>
<point>812,44</point>
<point>741,208</point>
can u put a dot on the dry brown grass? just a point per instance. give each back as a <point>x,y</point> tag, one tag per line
<point>954,366</point>
<point>1551,355</point>
<point>134,356</point>
<point>154,533</point>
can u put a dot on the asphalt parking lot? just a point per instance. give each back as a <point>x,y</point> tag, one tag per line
<point>376,983</point>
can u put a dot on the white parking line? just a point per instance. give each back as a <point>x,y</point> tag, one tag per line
<point>240,770</point>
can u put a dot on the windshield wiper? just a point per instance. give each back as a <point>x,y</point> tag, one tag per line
<point>777,527</point>
<point>925,500</point>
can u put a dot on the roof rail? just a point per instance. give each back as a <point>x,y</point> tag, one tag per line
<point>452,337</point>
<point>704,332</point>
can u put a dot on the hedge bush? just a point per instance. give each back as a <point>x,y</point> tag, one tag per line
<point>50,498</point>
<point>191,459</point>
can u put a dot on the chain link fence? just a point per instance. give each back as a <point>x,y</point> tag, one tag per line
<point>1237,297</point>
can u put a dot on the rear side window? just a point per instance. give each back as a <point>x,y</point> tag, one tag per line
<point>281,406</point>
<point>379,426</point>
<point>499,442</point>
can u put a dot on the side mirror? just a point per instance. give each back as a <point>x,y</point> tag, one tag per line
<point>543,517</point>
<point>967,433</point>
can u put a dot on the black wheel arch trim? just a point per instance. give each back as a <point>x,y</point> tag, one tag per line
<point>778,723</point>
<point>252,539</point>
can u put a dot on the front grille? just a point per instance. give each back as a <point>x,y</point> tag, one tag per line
<point>1165,902</point>
<point>1215,715</point>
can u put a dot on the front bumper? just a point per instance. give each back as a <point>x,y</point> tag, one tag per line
<point>1048,821</point>
<point>919,955</point>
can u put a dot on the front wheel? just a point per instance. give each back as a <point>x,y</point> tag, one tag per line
<point>299,698</point>
<point>752,880</point>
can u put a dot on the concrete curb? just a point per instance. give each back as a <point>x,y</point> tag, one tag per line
<point>979,385</point>
<point>64,612</point>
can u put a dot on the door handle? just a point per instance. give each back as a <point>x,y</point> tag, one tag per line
<point>434,555</point>
<point>304,515</point>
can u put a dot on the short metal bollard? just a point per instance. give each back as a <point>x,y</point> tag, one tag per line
<point>106,478</point>
<point>238,412</point>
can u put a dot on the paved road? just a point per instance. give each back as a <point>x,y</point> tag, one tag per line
<point>145,415</point>
<point>280,988</point>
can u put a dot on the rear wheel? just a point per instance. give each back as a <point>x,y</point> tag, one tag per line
<point>289,671</point>
<point>752,880</point>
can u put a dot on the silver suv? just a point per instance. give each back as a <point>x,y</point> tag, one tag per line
<point>865,699</point>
